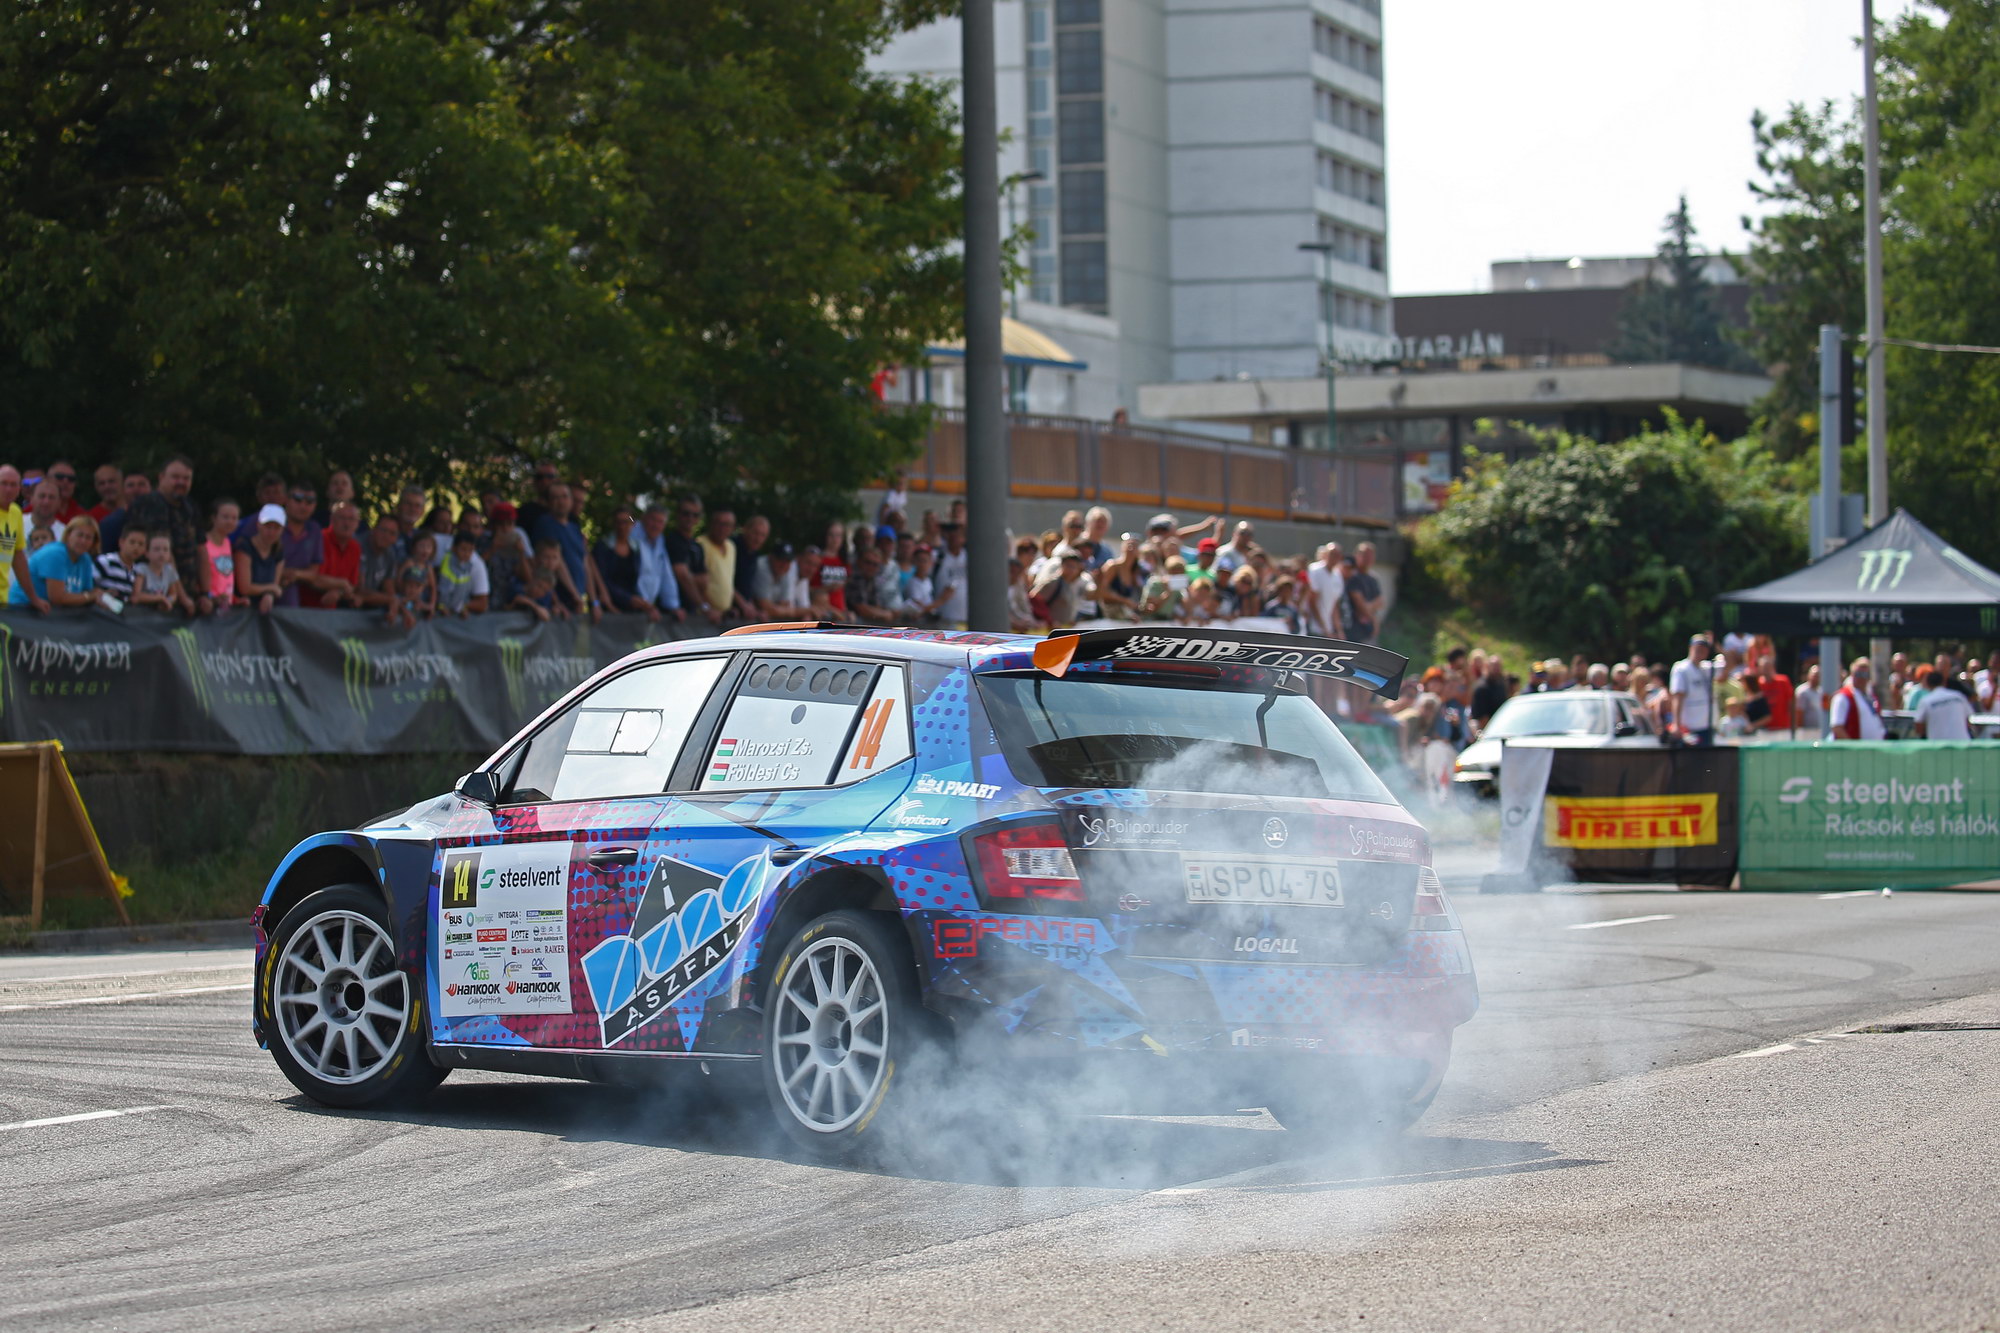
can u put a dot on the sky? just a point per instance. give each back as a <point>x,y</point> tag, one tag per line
<point>1554,128</point>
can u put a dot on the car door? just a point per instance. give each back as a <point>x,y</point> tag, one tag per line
<point>803,750</point>
<point>571,849</point>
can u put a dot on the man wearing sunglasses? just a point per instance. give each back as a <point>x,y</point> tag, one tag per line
<point>63,473</point>
<point>303,545</point>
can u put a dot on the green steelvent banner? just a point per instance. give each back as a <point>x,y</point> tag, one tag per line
<point>296,681</point>
<point>1870,814</point>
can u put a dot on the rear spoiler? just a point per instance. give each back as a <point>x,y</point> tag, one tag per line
<point>1362,664</point>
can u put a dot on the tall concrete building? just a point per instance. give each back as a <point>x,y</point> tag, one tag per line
<point>1172,155</point>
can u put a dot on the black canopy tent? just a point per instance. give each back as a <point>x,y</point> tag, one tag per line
<point>1896,580</point>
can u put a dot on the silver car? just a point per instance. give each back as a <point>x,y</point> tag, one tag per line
<point>1579,718</point>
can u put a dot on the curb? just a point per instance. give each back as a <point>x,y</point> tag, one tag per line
<point>232,931</point>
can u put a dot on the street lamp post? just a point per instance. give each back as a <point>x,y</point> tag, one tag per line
<point>986,480</point>
<point>1324,250</point>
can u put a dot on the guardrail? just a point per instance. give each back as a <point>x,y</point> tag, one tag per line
<point>1069,458</point>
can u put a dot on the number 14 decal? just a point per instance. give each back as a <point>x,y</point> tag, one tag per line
<point>868,742</point>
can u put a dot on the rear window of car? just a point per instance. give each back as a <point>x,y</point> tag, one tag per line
<point>1167,735</point>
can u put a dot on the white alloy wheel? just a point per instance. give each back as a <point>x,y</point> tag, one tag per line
<point>832,1036</point>
<point>341,1004</point>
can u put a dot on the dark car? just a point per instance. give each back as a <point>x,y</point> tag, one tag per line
<point>1141,862</point>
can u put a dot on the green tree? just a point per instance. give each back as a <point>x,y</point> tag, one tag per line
<point>432,238</point>
<point>1608,548</point>
<point>1939,94</point>
<point>1676,317</point>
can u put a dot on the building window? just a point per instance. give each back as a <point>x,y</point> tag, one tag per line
<point>1038,94</point>
<point>1083,274</point>
<point>1081,137</point>
<point>1080,61</point>
<point>1078,11</point>
<point>1083,203</point>
<point>1038,24</point>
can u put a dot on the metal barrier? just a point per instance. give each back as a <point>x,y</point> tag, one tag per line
<point>1069,458</point>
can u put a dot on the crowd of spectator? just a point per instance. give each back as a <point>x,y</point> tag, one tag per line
<point>146,542</point>
<point>1737,693</point>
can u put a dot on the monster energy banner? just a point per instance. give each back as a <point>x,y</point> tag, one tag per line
<point>1865,815</point>
<point>292,682</point>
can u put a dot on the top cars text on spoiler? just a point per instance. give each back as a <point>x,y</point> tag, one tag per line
<point>1364,664</point>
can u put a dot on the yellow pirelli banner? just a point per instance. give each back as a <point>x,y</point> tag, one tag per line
<point>1629,823</point>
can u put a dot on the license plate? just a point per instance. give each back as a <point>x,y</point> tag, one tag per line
<point>1262,882</point>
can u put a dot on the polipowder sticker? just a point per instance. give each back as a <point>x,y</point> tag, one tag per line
<point>502,930</point>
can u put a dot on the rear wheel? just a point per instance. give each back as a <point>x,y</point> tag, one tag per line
<point>1348,1115</point>
<point>346,1023</point>
<point>844,1034</point>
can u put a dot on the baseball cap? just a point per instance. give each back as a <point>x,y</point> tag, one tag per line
<point>1158,521</point>
<point>885,533</point>
<point>504,510</point>
<point>782,551</point>
<point>271,514</point>
<point>1208,544</point>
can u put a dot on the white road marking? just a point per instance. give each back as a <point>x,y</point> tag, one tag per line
<point>1851,893</point>
<point>82,1116</point>
<point>1621,921</point>
<point>1798,1045</point>
<point>120,999</point>
<point>126,976</point>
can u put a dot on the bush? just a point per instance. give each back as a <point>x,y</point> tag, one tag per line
<point>1611,548</point>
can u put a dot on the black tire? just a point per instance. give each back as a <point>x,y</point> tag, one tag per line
<point>330,1035</point>
<point>829,1092</point>
<point>1348,1115</point>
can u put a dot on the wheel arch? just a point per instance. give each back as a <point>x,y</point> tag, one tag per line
<point>826,889</point>
<point>321,863</point>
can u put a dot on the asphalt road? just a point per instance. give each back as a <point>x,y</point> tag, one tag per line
<point>1603,1155</point>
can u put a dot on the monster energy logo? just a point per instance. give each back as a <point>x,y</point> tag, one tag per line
<point>1876,567</point>
<point>197,669</point>
<point>1987,618</point>
<point>355,676</point>
<point>513,656</point>
<point>1729,615</point>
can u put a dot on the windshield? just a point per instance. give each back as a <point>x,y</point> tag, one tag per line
<point>1095,731</point>
<point>1548,715</point>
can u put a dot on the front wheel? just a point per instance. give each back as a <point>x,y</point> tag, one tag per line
<point>346,1023</point>
<point>843,1035</point>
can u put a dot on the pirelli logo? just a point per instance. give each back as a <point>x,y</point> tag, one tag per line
<point>1628,823</point>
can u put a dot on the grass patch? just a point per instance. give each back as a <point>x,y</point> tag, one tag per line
<point>1424,631</point>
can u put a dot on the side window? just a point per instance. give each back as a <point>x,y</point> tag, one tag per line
<point>621,739</point>
<point>883,738</point>
<point>795,722</point>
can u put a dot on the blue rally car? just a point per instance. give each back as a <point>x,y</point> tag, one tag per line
<point>1139,863</point>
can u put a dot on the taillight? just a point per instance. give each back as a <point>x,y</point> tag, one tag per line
<point>1431,910</point>
<point>1025,863</point>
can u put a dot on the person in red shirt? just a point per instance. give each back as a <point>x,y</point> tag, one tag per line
<point>109,479</point>
<point>63,473</point>
<point>339,580</point>
<point>1777,693</point>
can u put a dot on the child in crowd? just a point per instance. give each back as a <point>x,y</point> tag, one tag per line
<point>920,599</point>
<point>538,595</point>
<point>158,582</point>
<point>118,570</point>
<point>1020,610</point>
<point>416,582</point>
<point>220,554</point>
<point>461,577</point>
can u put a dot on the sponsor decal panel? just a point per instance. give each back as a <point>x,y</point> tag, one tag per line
<point>688,922</point>
<point>485,892</point>
<point>1914,814</point>
<point>1629,823</point>
<point>972,791</point>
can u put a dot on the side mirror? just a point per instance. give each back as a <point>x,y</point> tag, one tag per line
<point>1625,729</point>
<point>479,787</point>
